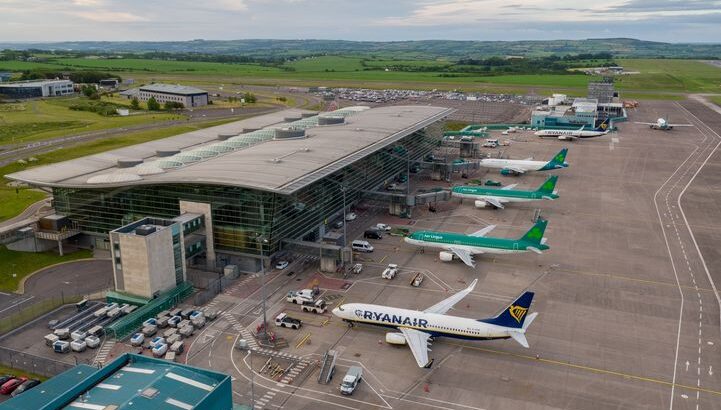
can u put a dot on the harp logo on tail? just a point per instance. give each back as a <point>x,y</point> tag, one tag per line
<point>517,312</point>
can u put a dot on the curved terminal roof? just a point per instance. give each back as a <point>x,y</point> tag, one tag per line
<point>252,160</point>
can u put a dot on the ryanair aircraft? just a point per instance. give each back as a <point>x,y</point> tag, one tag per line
<point>419,328</point>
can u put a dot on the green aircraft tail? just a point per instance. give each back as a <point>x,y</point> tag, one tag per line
<point>535,234</point>
<point>548,186</point>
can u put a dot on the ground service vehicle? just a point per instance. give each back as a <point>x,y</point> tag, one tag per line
<point>283,320</point>
<point>351,216</point>
<point>357,268</point>
<point>61,346</point>
<point>390,271</point>
<point>300,296</point>
<point>317,307</point>
<point>353,376</point>
<point>137,339</point>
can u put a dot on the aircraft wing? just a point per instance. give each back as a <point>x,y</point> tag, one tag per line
<point>483,232</point>
<point>465,256</point>
<point>418,342</point>
<point>645,123</point>
<point>680,125</point>
<point>445,305</point>
<point>495,202</point>
<point>509,186</point>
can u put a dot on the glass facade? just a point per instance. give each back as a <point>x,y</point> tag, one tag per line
<point>240,215</point>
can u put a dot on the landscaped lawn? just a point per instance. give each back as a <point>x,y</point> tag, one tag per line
<point>21,264</point>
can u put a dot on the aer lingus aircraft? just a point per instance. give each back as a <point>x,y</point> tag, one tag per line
<point>496,197</point>
<point>465,246</point>
<point>520,166</point>
<point>418,328</point>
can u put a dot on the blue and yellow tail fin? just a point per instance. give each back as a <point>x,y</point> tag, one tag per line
<point>515,314</point>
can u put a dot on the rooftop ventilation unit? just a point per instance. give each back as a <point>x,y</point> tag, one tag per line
<point>144,230</point>
<point>289,133</point>
<point>166,152</point>
<point>129,163</point>
<point>308,114</point>
<point>330,120</point>
<point>247,130</point>
<point>292,118</point>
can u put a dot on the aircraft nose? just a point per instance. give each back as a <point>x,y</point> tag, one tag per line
<point>336,311</point>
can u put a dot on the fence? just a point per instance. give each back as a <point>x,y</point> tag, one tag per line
<point>126,324</point>
<point>34,311</point>
<point>211,288</point>
<point>42,366</point>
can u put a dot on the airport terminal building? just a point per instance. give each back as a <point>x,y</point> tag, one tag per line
<point>279,176</point>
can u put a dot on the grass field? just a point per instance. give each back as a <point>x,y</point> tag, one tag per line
<point>42,119</point>
<point>655,74</point>
<point>14,202</point>
<point>716,100</point>
<point>16,372</point>
<point>22,264</point>
<point>670,75</point>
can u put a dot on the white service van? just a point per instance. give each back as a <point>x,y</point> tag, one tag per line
<point>362,246</point>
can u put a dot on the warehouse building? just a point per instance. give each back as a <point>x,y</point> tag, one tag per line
<point>130,382</point>
<point>188,96</point>
<point>36,89</point>
<point>258,183</point>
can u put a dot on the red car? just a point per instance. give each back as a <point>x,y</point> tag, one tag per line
<point>12,384</point>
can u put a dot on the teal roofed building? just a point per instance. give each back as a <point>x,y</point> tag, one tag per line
<point>130,382</point>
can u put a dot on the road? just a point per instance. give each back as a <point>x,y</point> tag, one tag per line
<point>70,279</point>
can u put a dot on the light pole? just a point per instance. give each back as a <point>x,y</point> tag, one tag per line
<point>343,189</point>
<point>252,380</point>
<point>262,240</point>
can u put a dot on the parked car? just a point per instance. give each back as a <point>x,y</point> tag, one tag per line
<point>282,265</point>
<point>338,224</point>
<point>373,234</point>
<point>12,384</point>
<point>29,384</point>
<point>351,216</point>
<point>491,182</point>
<point>5,378</point>
<point>383,227</point>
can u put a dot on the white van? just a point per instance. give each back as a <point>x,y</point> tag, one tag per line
<point>362,246</point>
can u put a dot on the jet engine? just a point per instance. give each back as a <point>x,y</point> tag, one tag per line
<point>395,338</point>
<point>481,204</point>
<point>506,171</point>
<point>445,256</point>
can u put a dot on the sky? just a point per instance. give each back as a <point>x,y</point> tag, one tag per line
<point>374,20</point>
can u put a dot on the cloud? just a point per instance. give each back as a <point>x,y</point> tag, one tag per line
<point>104,16</point>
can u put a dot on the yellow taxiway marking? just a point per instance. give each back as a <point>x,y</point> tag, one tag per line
<point>302,341</point>
<point>589,368</point>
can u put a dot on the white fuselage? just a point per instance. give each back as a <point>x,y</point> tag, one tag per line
<point>435,324</point>
<point>571,133</point>
<point>483,197</point>
<point>473,250</point>
<point>524,164</point>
